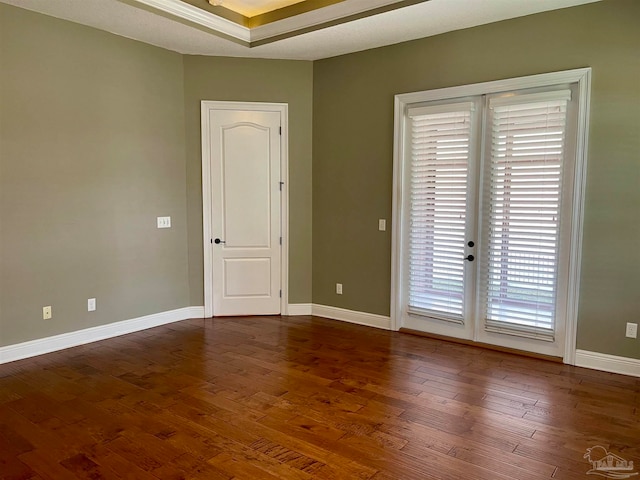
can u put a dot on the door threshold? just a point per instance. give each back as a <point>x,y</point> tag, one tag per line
<point>487,346</point>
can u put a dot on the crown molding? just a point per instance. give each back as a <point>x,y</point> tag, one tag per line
<point>185,11</point>
<point>291,26</point>
<point>318,18</point>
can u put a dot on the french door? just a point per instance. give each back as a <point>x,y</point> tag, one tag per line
<point>487,199</point>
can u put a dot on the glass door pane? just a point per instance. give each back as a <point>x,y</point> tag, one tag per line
<point>438,201</point>
<point>523,188</point>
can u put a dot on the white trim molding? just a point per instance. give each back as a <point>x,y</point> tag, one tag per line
<point>198,16</point>
<point>246,35</point>
<point>352,316</point>
<point>296,309</point>
<point>608,363</point>
<point>41,346</point>
<point>314,18</point>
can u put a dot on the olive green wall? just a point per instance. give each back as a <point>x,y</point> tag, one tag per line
<point>91,151</point>
<point>254,80</point>
<point>100,134</point>
<point>353,142</point>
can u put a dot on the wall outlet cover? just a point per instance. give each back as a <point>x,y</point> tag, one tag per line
<point>91,305</point>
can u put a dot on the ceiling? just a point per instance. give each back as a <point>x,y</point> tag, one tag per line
<point>338,28</point>
<point>251,8</point>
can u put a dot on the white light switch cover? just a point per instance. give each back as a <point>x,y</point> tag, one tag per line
<point>164,222</point>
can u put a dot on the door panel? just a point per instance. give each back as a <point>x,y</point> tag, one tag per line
<point>245,180</point>
<point>247,277</point>
<point>246,189</point>
<point>528,156</point>
<point>440,200</point>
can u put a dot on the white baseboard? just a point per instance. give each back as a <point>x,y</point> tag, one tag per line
<point>40,346</point>
<point>299,309</point>
<point>10,353</point>
<point>608,363</point>
<point>351,316</point>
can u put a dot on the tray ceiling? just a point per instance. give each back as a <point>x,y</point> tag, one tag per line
<point>303,30</point>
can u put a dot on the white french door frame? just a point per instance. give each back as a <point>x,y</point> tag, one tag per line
<point>206,107</point>
<point>581,77</point>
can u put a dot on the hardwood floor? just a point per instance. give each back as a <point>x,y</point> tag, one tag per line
<point>302,398</point>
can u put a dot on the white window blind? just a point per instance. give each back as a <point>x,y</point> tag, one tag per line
<point>440,137</point>
<point>527,137</point>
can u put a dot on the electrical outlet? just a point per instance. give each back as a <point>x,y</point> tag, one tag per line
<point>339,288</point>
<point>46,312</point>
<point>164,222</point>
<point>91,305</point>
<point>632,330</point>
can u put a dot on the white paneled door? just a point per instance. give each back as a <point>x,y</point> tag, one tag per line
<point>245,179</point>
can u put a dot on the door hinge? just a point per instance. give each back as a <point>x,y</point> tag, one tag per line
<point>281,184</point>
<point>280,240</point>
<point>280,130</point>
<point>280,293</point>
<point>212,240</point>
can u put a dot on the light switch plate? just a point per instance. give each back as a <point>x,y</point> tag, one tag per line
<point>164,222</point>
<point>382,224</point>
<point>91,305</point>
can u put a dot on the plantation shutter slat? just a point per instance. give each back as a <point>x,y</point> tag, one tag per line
<point>527,135</point>
<point>440,137</point>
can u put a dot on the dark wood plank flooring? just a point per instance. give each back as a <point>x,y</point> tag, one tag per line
<point>302,398</point>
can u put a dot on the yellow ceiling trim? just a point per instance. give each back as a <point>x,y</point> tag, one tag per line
<point>264,18</point>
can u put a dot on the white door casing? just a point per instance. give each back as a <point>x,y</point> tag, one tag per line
<point>244,170</point>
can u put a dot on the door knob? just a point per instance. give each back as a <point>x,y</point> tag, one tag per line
<point>471,258</point>
<point>218,241</point>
